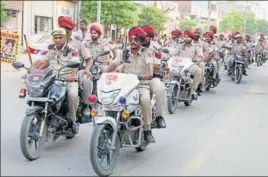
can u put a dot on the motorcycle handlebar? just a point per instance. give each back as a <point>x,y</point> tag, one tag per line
<point>65,80</point>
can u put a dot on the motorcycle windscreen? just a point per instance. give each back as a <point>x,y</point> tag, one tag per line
<point>179,63</point>
<point>109,82</point>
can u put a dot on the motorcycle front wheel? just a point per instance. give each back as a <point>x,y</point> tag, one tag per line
<point>29,137</point>
<point>258,61</point>
<point>100,149</point>
<point>172,101</point>
<point>238,74</point>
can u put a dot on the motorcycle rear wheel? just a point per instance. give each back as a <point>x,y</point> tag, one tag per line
<point>30,128</point>
<point>102,138</point>
<point>258,61</point>
<point>188,103</point>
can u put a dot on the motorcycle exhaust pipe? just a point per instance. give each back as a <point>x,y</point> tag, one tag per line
<point>62,120</point>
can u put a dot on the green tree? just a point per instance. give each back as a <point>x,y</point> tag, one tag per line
<point>187,24</point>
<point>153,16</point>
<point>263,26</point>
<point>233,21</point>
<point>251,23</point>
<point>121,13</point>
<point>4,16</point>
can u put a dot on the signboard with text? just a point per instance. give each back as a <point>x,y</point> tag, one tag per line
<point>10,47</point>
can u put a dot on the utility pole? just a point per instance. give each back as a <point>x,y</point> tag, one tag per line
<point>79,5</point>
<point>99,12</point>
<point>209,11</point>
<point>245,18</point>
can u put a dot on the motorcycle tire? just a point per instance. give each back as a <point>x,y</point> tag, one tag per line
<point>26,126</point>
<point>94,150</point>
<point>208,87</point>
<point>238,75</point>
<point>188,103</point>
<point>258,61</point>
<point>171,103</point>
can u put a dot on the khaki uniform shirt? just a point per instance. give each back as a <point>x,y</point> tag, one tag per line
<point>190,51</point>
<point>237,47</point>
<point>59,58</point>
<point>220,43</point>
<point>95,50</point>
<point>215,49</point>
<point>138,64</point>
<point>75,43</point>
<point>260,46</point>
<point>205,47</point>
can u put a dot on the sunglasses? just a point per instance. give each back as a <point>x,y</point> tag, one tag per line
<point>134,40</point>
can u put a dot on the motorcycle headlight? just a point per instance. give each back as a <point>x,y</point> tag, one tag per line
<point>108,97</point>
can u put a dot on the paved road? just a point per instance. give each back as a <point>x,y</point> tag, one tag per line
<point>224,133</point>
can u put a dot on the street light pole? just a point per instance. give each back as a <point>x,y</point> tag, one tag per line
<point>99,11</point>
<point>209,10</point>
<point>245,18</point>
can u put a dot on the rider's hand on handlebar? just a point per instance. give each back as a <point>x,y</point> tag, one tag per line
<point>87,73</point>
<point>147,77</point>
<point>199,58</point>
<point>70,78</point>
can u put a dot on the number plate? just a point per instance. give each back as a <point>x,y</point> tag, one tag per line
<point>102,108</point>
<point>40,99</point>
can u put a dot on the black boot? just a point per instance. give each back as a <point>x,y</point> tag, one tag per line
<point>199,90</point>
<point>149,137</point>
<point>161,123</point>
<point>245,72</point>
<point>75,127</point>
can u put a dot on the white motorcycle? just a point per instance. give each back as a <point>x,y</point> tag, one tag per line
<point>117,119</point>
<point>179,83</point>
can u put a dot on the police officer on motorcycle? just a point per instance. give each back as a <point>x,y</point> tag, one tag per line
<point>156,86</point>
<point>140,62</point>
<point>57,55</point>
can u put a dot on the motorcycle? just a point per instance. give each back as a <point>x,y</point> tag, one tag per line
<point>210,82</point>
<point>160,65</point>
<point>118,120</point>
<point>179,83</point>
<point>45,119</point>
<point>238,67</point>
<point>261,58</point>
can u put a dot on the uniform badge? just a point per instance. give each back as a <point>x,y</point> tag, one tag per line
<point>149,53</point>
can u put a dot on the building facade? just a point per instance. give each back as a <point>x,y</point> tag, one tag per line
<point>39,20</point>
<point>14,12</point>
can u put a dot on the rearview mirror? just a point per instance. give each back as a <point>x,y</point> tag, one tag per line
<point>165,50</point>
<point>18,65</point>
<point>73,64</point>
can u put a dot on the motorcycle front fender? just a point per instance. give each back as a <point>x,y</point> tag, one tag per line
<point>172,84</point>
<point>33,110</point>
<point>105,120</point>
